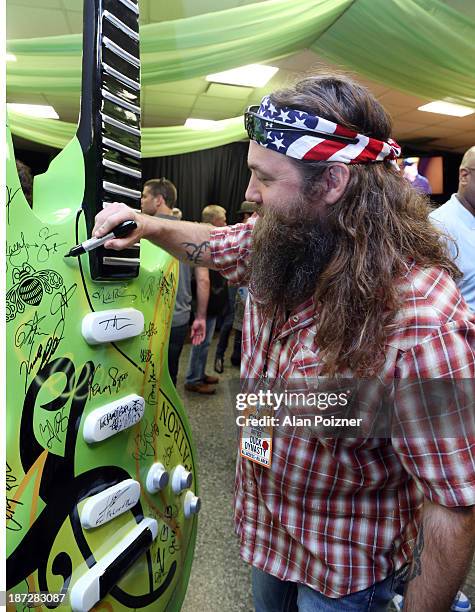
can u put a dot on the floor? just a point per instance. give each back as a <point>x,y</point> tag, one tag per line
<point>220,581</point>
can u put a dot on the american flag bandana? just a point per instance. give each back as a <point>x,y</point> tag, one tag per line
<point>301,135</point>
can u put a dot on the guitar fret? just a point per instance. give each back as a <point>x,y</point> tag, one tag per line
<point>124,169</point>
<point>119,189</point>
<point>115,100</point>
<point>120,147</point>
<point>125,55</point>
<point>121,77</point>
<point>120,125</point>
<point>121,25</point>
<point>130,5</point>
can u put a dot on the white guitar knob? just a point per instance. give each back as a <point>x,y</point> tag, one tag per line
<point>192,504</point>
<point>181,479</point>
<point>157,478</point>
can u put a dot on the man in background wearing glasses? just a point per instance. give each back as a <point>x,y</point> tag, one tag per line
<point>347,278</point>
<point>457,218</point>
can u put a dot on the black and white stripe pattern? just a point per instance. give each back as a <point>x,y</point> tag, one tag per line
<point>109,128</point>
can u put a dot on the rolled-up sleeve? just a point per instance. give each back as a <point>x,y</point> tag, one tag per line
<point>231,250</point>
<point>434,432</point>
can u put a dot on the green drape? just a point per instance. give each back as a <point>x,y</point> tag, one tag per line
<point>419,46</point>
<point>185,48</point>
<point>156,142</point>
<point>423,47</point>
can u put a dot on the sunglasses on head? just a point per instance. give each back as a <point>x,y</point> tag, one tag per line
<point>258,128</point>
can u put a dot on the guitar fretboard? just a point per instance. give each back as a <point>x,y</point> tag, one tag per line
<point>109,126</point>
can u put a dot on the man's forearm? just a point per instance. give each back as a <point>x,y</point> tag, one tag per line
<point>202,291</point>
<point>187,241</point>
<point>442,557</point>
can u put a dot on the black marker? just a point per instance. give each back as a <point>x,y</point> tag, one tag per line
<point>124,229</point>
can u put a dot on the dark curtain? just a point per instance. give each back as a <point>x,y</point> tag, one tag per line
<point>214,176</point>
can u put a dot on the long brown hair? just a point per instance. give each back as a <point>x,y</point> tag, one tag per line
<point>381,224</point>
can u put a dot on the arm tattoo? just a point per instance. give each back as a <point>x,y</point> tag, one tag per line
<point>416,567</point>
<point>194,252</point>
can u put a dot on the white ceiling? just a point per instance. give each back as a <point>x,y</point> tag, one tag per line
<point>172,103</point>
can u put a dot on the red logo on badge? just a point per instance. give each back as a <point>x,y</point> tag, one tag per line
<point>265,445</point>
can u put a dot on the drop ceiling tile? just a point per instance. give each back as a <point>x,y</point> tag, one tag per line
<point>188,86</point>
<point>153,122</point>
<point>163,11</point>
<point>216,114</point>
<point>234,92</point>
<point>32,21</point>
<point>165,111</point>
<point>223,110</point>
<point>465,140</point>
<point>400,98</point>
<point>303,60</point>
<point>458,123</point>
<point>171,99</point>
<point>56,4</point>
<point>377,89</point>
<point>75,21</point>
<point>144,11</point>
<point>439,131</point>
<point>420,117</point>
<point>27,98</point>
<point>404,129</point>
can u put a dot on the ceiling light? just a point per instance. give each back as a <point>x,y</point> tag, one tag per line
<point>447,108</point>
<point>201,124</point>
<point>34,110</point>
<point>9,57</point>
<point>253,75</point>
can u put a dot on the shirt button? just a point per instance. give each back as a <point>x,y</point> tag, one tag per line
<point>250,484</point>
<point>295,319</point>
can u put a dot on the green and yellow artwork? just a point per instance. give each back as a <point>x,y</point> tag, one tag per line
<point>101,482</point>
<point>55,379</point>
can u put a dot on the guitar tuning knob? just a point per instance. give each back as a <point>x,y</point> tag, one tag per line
<point>191,505</point>
<point>157,478</point>
<point>181,479</point>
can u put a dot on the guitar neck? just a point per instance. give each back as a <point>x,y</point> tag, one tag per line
<point>109,123</point>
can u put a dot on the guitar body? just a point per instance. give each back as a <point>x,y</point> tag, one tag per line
<point>57,380</point>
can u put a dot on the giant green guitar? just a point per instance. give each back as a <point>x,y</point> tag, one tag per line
<point>101,480</point>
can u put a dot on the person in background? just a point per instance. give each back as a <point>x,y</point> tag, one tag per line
<point>176,212</point>
<point>158,199</point>
<point>457,218</point>
<point>410,172</point>
<point>347,279</point>
<point>26,181</point>
<point>245,211</point>
<point>197,380</point>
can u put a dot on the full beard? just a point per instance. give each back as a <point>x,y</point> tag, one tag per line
<point>288,256</point>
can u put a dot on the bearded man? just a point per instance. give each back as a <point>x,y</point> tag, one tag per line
<point>346,278</point>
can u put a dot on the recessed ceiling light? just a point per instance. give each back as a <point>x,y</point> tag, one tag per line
<point>201,124</point>
<point>252,75</point>
<point>446,108</point>
<point>34,110</point>
<point>9,57</point>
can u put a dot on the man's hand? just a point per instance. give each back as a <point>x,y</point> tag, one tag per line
<point>189,242</point>
<point>113,215</point>
<point>441,559</point>
<point>198,331</point>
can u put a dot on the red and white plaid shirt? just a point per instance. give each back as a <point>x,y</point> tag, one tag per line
<point>340,514</point>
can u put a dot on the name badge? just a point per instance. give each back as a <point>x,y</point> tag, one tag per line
<point>256,435</point>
